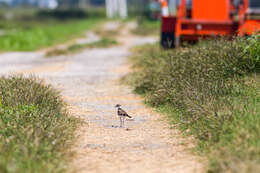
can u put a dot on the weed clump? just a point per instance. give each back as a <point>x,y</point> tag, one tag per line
<point>35,130</point>
<point>206,88</point>
<point>252,49</point>
<point>75,48</point>
<point>102,43</point>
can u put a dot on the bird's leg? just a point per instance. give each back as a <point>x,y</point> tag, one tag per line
<point>120,121</point>
<point>123,121</point>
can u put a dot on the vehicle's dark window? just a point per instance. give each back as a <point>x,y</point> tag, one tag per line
<point>188,3</point>
<point>254,3</point>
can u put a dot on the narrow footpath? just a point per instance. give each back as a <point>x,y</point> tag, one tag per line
<point>89,83</point>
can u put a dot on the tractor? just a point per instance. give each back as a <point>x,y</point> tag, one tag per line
<point>197,19</point>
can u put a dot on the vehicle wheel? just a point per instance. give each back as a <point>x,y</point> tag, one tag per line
<point>167,40</point>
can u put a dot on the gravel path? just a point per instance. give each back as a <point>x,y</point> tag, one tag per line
<point>89,83</point>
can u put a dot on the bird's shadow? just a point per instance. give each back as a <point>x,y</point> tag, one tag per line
<point>115,126</point>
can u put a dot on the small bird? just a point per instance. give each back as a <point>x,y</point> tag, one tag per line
<point>122,115</point>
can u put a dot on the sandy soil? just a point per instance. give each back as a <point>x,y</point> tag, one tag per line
<point>88,81</point>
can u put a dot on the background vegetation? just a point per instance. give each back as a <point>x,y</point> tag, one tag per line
<point>211,91</point>
<point>35,130</point>
<point>27,31</point>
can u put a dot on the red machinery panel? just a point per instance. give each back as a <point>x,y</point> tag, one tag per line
<point>168,24</point>
<point>210,10</point>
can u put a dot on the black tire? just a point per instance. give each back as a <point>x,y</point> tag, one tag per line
<point>167,40</point>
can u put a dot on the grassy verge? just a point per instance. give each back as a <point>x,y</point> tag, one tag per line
<point>35,129</point>
<point>75,48</point>
<point>32,35</point>
<point>211,91</point>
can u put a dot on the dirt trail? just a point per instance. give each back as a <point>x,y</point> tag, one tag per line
<point>89,83</point>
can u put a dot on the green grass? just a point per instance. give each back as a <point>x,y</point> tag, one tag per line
<point>33,35</point>
<point>35,129</point>
<point>75,48</point>
<point>210,91</point>
<point>147,27</point>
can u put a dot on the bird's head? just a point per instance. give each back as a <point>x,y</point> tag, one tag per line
<point>117,106</point>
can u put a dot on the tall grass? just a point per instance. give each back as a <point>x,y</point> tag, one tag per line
<point>208,91</point>
<point>35,129</point>
<point>34,35</point>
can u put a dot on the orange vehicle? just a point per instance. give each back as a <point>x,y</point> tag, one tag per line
<point>205,18</point>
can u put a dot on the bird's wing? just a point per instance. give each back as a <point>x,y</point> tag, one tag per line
<point>122,112</point>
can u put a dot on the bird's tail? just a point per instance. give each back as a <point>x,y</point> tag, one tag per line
<point>128,116</point>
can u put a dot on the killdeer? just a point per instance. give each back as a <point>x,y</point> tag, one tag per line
<point>122,115</point>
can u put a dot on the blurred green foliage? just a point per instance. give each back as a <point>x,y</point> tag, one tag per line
<point>36,34</point>
<point>74,13</point>
<point>27,29</point>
